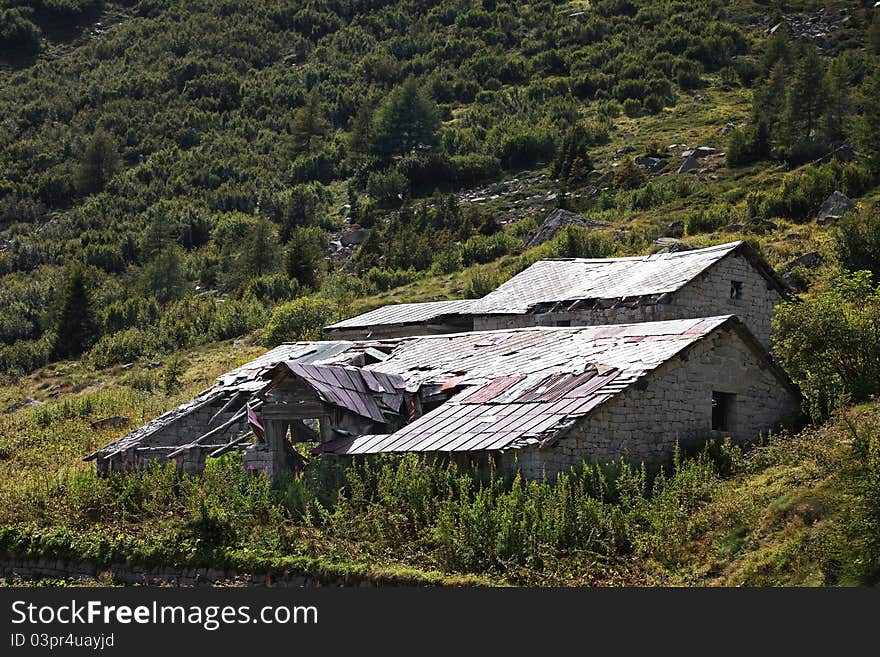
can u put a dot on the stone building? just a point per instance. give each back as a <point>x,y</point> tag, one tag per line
<point>537,399</point>
<point>726,279</point>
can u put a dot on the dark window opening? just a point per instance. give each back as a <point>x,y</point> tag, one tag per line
<point>722,410</point>
<point>736,289</point>
<point>563,322</point>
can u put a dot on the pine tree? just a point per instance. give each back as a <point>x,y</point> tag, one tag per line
<point>361,138</point>
<point>867,126</point>
<point>408,119</point>
<point>99,163</point>
<point>75,326</point>
<point>309,122</point>
<point>260,250</point>
<point>839,82</point>
<point>164,277</point>
<point>805,101</point>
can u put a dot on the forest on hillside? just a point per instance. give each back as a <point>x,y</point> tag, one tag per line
<point>176,173</point>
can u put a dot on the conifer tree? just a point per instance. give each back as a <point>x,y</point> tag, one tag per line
<point>408,119</point>
<point>309,122</point>
<point>75,325</point>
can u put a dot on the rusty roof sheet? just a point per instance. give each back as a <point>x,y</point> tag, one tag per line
<point>352,388</point>
<point>522,387</point>
<point>570,280</point>
<point>405,313</point>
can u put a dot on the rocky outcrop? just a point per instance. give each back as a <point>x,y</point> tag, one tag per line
<point>556,221</point>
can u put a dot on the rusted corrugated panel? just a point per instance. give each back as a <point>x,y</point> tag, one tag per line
<point>491,391</point>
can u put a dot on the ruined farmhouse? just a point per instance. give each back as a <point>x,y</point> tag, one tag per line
<point>537,399</point>
<point>729,279</point>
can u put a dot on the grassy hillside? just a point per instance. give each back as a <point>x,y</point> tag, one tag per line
<point>176,179</point>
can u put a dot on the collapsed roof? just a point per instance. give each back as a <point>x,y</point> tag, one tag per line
<point>478,391</point>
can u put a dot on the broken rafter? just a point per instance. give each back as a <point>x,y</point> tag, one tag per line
<point>213,432</point>
<point>238,395</point>
<point>231,445</point>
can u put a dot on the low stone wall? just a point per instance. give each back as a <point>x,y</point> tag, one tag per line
<point>123,573</point>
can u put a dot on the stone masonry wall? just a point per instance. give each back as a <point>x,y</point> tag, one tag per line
<point>675,405</point>
<point>176,433</point>
<point>707,295</point>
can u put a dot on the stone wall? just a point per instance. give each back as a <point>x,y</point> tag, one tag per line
<point>176,433</point>
<point>644,422</point>
<point>187,576</point>
<point>707,295</point>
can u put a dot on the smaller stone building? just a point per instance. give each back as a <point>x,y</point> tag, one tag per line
<point>406,319</point>
<point>538,399</point>
<point>726,279</point>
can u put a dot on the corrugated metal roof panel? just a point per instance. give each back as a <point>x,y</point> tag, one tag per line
<point>549,281</point>
<point>405,313</point>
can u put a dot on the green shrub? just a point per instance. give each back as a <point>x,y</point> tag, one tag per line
<point>857,241</point>
<point>707,220</point>
<point>830,342</point>
<point>387,188</point>
<point>382,280</point>
<point>520,145</point>
<point>579,242</point>
<point>272,288</point>
<point>802,192</point>
<point>123,347</point>
<point>235,317</point>
<point>447,261</point>
<point>474,168</point>
<point>171,382</point>
<point>486,248</point>
<point>480,283</point>
<point>300,319</point>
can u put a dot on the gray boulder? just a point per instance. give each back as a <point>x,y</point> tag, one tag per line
<point>671,245</point>
<point>690,165</point>
<point>834,207</point>
<point>354,237</point>
<point>556,221</point>
<point>809,260</point>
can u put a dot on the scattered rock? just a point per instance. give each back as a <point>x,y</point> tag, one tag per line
<point>649,163</point>
<point>675,229</point>
<point>627,135</point>
<point>155,364</point>
<point>733,228</point>
<point>700,151</point>
<point>791,237</point>
<point>809,260</point>
<point>623,150</point>
<point>834,207</point>
<point>727,127</point>
<point>761,225</point>
<point>556,221</point>
<point>671,245</point>
<point>114,421</point>
<point>355,236</point>
<point>27,402</point>
<point>690,165</point>
<point>128,366</point>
